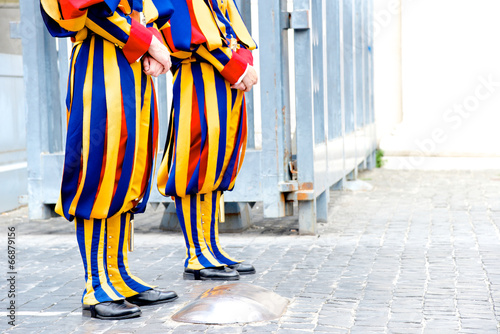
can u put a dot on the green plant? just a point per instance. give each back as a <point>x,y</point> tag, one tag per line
<point>379,158</point>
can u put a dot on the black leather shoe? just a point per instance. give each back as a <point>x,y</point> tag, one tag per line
<point>152,297</point>
<point>215,273</point>
<point>243,268</point>
<point>113,310</point>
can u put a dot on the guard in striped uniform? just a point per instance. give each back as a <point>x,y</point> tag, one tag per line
<point>112,139</point>
<point>212,66</point>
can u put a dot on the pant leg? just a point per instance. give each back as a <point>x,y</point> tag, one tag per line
<point>198,255</point>
<point>91,236</point>
<point>118,228</point>
<point>210,206</point>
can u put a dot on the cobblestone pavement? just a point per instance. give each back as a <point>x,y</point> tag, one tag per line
<point>420,253</point>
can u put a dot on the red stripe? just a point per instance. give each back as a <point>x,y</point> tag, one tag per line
<point>71,9</point>
<point>104,159</point>
<point>194,154</point>
<point>197,36</point>
<point>243,137</point>
<point>121,150</point>
<point>167,33</point>
<point>204,159</point>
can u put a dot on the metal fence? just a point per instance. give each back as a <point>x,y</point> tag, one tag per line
<point>311,122</point>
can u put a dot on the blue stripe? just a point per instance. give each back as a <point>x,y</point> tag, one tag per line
<point>220,56</point>
<point>194,233</point>
<point>220,87</point>
<point>182,223</point>
<point>213,240</point>
<point>98,115</point>
<point>128,88</point>
<point>141,207</point>
<point>226,180</point>
<point>129,281</point>
<point>99,293</point>
<point>181,26</point>
<point>80,237</point>
<point>72,157</point>
<point>99,15</point>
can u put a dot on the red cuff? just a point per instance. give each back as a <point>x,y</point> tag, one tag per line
<point>234,69</point>
<point>156,33</point>
<point>138,42</point>
<point>246,55</point>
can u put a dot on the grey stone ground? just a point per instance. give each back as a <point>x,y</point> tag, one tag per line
<point>420,253</point>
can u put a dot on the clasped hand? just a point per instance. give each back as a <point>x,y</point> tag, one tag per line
<point>250,79</point>
<point>157,61</point>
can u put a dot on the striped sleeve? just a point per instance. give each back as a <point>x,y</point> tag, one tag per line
<point>122,30</point>
<point>64,18</point>
<point>192,30</point>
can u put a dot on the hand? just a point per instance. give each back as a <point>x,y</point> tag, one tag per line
<point>151,66</point>
<point>160,53</point>
<point>250,79</point>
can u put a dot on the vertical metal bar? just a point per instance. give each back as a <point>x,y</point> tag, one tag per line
<point>163,112</point>
<point>347,16</point>
<point>359,51</point>
<point>62,55</point>
<point>333,69</point>
<point>275,153</point>
<point>304,102</point>
<point>322,206</point>
<point>318,70</point>
<point>42,99</point>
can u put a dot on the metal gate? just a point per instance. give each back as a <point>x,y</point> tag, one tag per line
<point>311,115</point>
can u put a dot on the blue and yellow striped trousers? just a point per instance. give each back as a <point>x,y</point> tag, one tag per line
<point>103,247</point>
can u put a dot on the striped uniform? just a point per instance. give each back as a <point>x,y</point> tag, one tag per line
<point>207,137</point>
<point>112,131</point>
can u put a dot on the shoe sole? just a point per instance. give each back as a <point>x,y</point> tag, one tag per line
<point>88,313</point>
<point>247,272</point>
<point>189,276</point>
<point>154,303</point>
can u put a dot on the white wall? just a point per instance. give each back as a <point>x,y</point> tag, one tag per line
<point>450,79</point>
<point>387,65</point>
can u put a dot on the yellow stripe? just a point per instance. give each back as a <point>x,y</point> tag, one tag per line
<point>142,136</point>
<point>186,211</point>
<point>204,53</point>
<point>101,263</point>
<point>213,125</point>
<point>116,19</point>
<point>51,7</point>
<point>238,106</point>
<point>183,145</point>
<point>114,116</point>
<point>163,171</point>
<point>150,11</point>
<point>207,24</point>
<point>87,105</point>
<point>59,209</point>
<point>231,132</point>
<point>89,298</point>
<point>114,230</point>
<point>239,26</point>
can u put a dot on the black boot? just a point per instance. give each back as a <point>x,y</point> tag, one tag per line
<point>243,268</point>
<point>152,297</point>
<point>113,310</point>
<point>215,274</point>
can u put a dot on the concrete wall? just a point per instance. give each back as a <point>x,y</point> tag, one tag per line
<point>450,79</point>
<point>13,167</point>
<point>387,66</point>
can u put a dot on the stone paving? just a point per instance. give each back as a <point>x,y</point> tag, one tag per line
<point>419,253</point>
